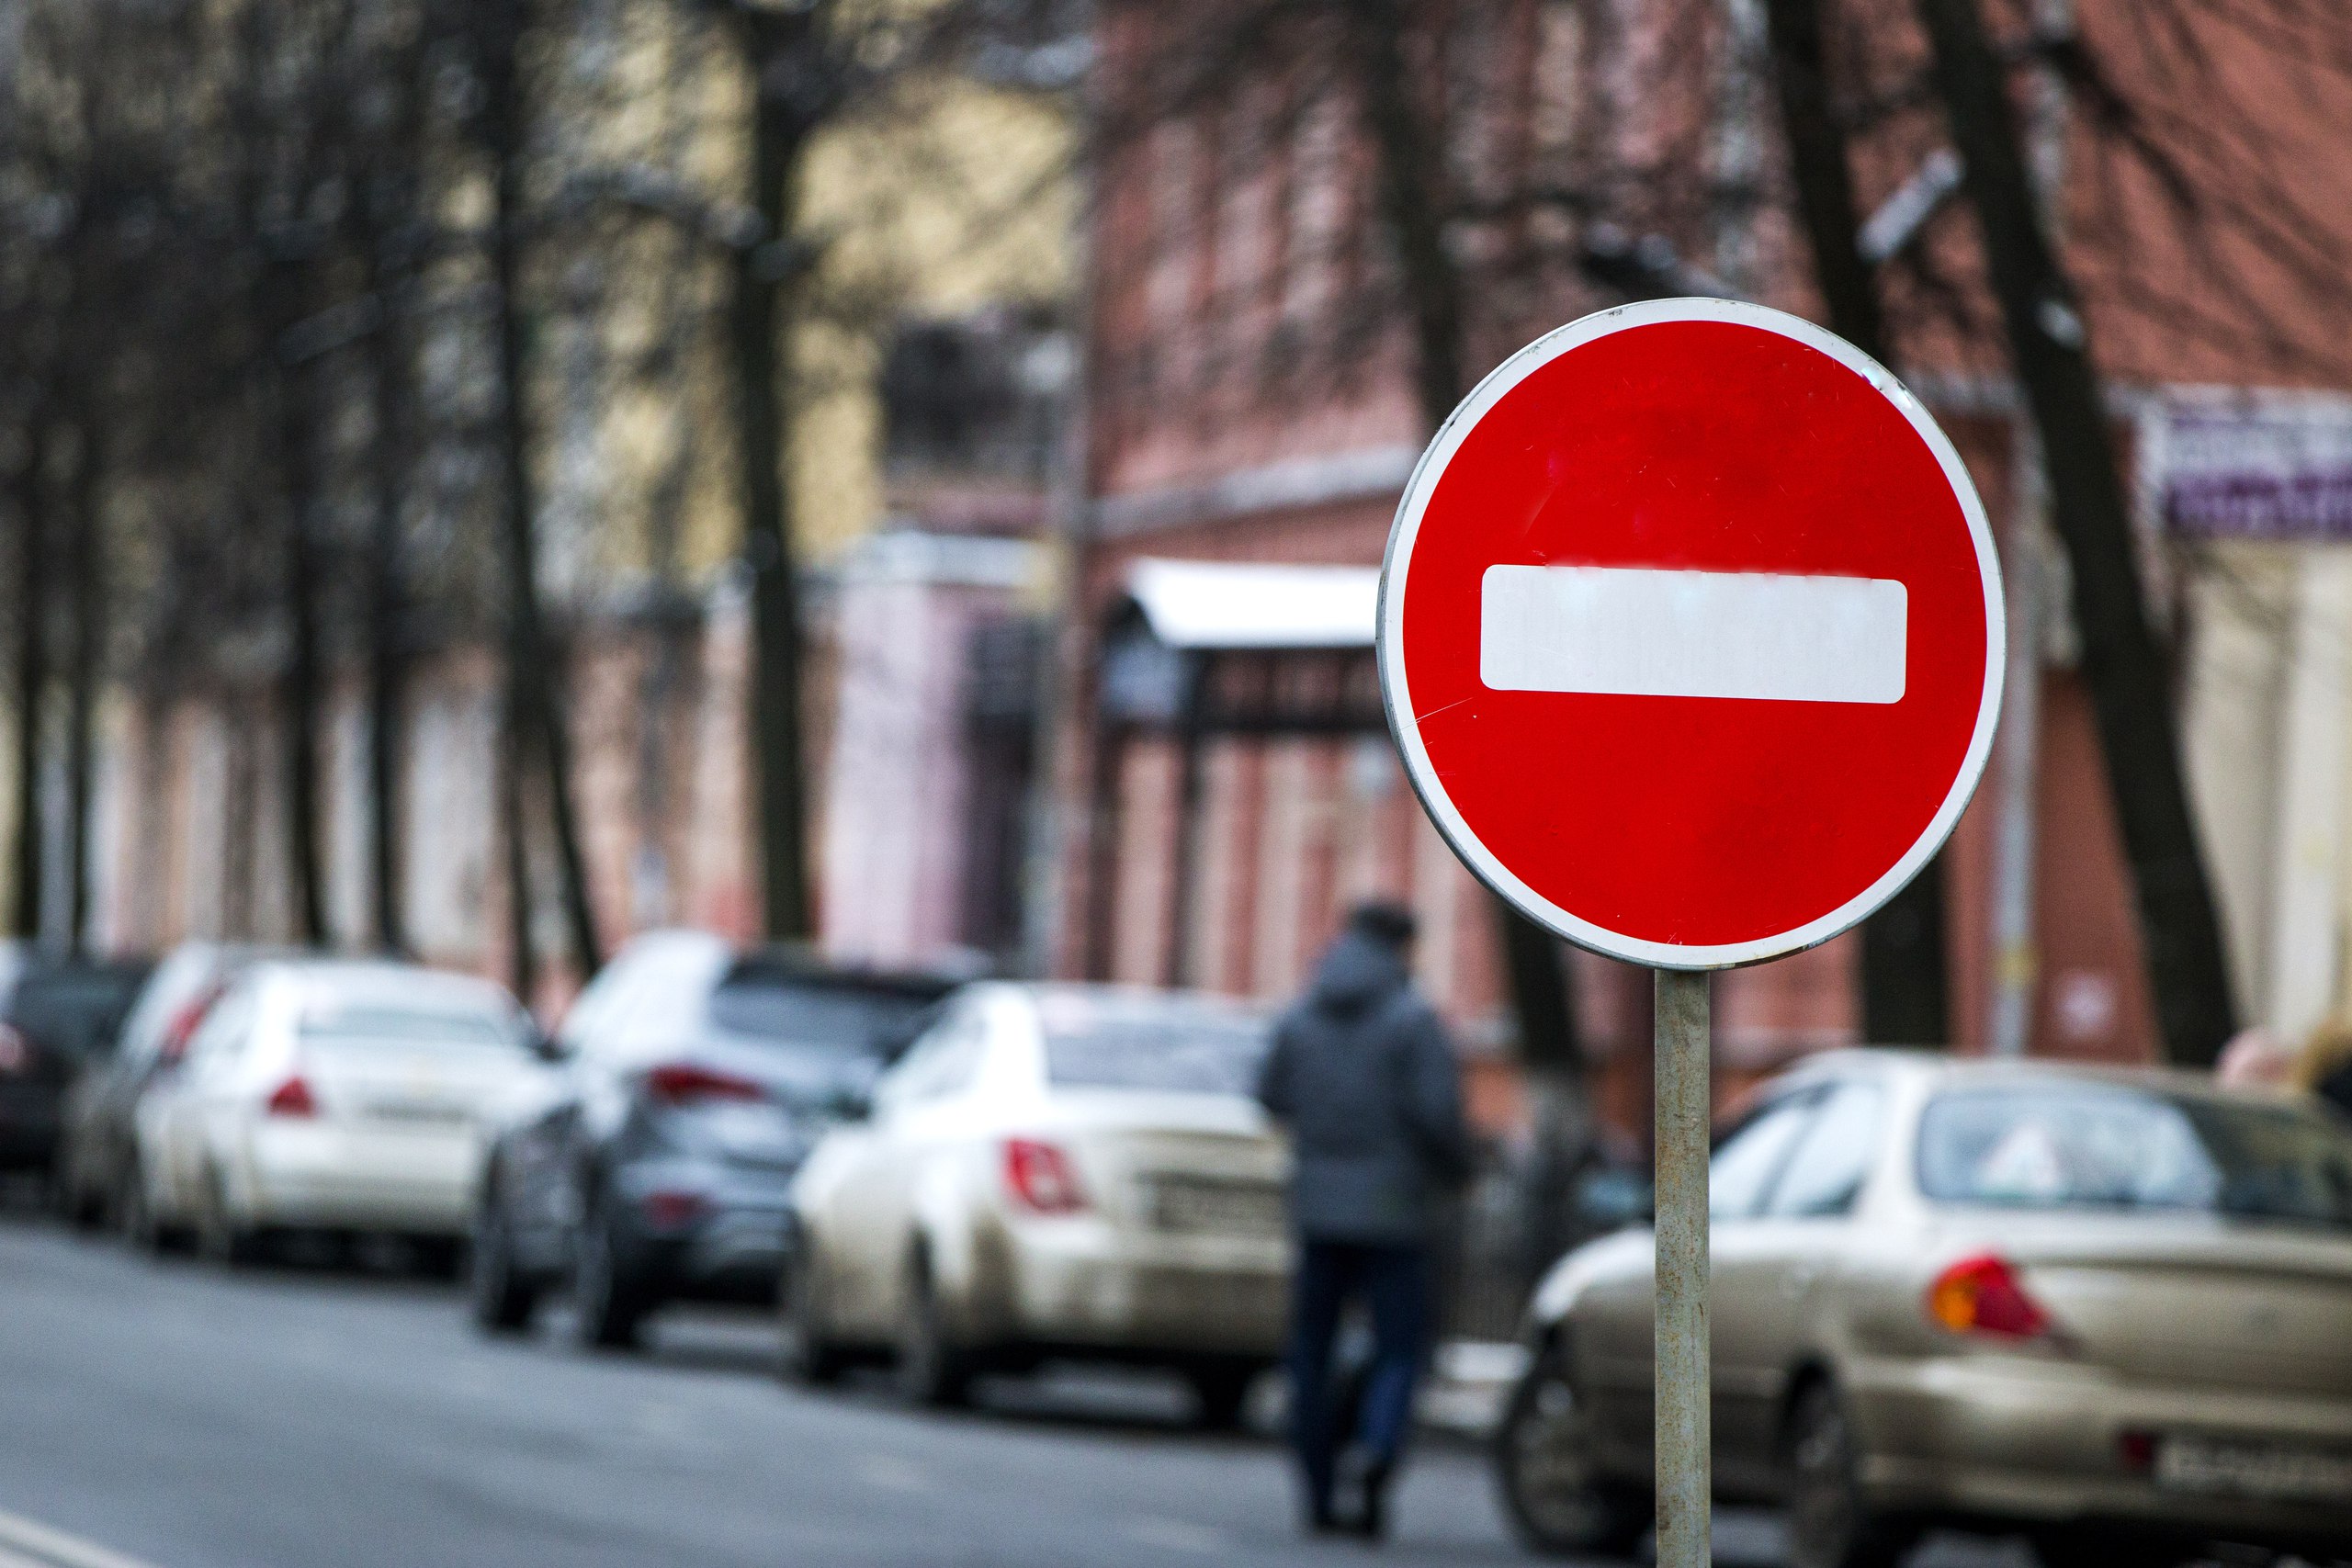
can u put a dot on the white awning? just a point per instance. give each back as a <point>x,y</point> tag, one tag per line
<point>1244,604</point>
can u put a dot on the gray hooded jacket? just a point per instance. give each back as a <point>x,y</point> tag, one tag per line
<point>1363,1075</point>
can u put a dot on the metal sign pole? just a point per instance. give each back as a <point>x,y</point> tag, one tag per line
<point>1684,1111</point>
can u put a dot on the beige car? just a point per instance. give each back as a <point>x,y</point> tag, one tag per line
<point>1050,1171</point>
<point>2109,1310</point>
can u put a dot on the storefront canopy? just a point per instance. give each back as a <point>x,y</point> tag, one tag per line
<point>1220,605</point>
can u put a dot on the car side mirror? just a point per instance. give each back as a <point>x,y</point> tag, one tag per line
<point>850,1103</point>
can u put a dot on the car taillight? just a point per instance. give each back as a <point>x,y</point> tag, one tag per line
<point>1982,1295</point>
<point>682,1083</point>
<point>1041,1178</point>
<point>182,1029</point>
<point>667,1208</point>
<point>293,1098</point>
<point>15,1051</point>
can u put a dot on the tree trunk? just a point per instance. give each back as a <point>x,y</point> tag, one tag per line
<point>1905,994</point>
<point>33,675</point>
<point>298,459</point>
<point>762,313</point>
<point>86,567</point>
<point>523,959</point>
<point>1542,1003</point>
<point>1820,170</point>
<point>389,391</point>
<point>534,714</point>
<point>2121,664</point>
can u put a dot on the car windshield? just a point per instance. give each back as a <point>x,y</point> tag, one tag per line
<point>829,1015</point>
<point>2115,1147</point>
<point>1093,1043</point>
<point>422,1021</point>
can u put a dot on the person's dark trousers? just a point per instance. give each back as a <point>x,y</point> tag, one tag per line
<point>1393,1282</point>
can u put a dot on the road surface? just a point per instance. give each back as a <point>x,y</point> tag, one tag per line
<point>173,1416</point>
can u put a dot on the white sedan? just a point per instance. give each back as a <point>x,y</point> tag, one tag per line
<point>1051,1171</point>
<point>334,1096</point>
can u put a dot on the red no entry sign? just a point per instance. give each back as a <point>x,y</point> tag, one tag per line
<point>1690,633</point>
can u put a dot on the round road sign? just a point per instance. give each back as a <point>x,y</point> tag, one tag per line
<point>1690,633</point>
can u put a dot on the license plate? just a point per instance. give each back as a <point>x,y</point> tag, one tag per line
<point>1231,1208</point>
<point>416,1112</point>
<point>2254,1470</point>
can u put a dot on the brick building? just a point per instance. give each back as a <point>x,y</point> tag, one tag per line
<point>1252,416</point>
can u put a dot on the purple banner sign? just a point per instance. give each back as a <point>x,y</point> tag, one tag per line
<point>2277,473</point>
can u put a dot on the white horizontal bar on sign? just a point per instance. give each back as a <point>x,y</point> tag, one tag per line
<point>1637,632</point>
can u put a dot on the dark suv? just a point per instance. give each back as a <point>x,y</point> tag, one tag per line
<point>696,1078</point>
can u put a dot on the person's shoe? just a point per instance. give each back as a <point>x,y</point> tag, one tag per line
<point>1371,1520</point>
<point>1321,1520</point>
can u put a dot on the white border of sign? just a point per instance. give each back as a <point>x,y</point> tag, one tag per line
<point>1397,698</point>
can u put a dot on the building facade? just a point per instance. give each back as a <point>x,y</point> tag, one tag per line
<point>1254,413</point>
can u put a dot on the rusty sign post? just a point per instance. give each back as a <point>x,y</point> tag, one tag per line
<point>1685,1458</point>
<point>1690,636</point>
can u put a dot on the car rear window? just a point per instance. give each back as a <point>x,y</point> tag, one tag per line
<point>829,1015</point>
<point>74,1012</point>
<point>408,1024</point>
<point>2114,1146</point>
<point>1092,1044</point>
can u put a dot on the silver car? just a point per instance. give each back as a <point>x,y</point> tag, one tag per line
<point>2109,1309</point>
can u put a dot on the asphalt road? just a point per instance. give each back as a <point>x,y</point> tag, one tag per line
<point>173,1416</point>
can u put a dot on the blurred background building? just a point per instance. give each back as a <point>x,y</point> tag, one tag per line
<point>1103,344</point>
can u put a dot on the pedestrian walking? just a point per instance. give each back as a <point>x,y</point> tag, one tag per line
<point>1364,1080</point>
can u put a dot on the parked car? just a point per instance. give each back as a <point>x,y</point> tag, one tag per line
<point>1052,1171</point>
<point>334,1096</point>
<point>2105,1308</point>
<point>58,1016</point>
<point>695,1079</point>
<point>98,1154</point>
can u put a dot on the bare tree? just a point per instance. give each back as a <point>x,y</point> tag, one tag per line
<point>1481,232</point>
<point>811,68</point>
<point>789,56</point>
<point>538,732</point>
<point>1904,996</point>
<point>1409,157</point>
<point>2122,663</point>
<point>31,673</point>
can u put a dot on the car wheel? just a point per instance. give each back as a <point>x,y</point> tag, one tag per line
<point>612,1306</point>
<point>1221,1394</point>
<point>1830,1525</point>
<point>79,1207</point>
<point>135,1216</point>
<point>503,1302</point>
<point>1558,1501</point>
<point>222,1238</point>
<point>2085,1547</point>
<point>808,1357</point>
<point>933,1370</point>
<point>440,1257</point>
